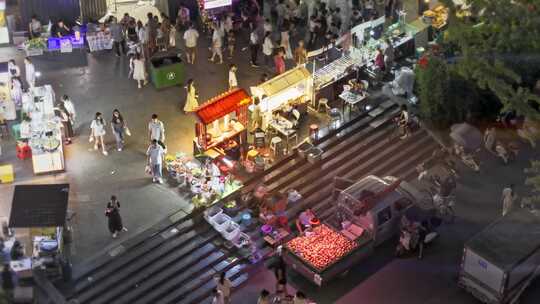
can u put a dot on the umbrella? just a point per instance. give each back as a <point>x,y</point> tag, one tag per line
<point>466,135</point>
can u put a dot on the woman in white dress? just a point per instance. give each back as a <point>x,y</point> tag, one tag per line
<point>139,71</point>
<point>97,132</point>
<point>191,97</point>
<point>30,72</point>
<point>286,44</point>
<point>16,92</point>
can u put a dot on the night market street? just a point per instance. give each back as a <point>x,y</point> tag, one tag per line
<point>169,253</point>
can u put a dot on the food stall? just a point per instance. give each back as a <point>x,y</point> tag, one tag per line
<point>37,221</point>
<point>221,126</point>
<point>290,90</point>
<point>45,138</point>
<point>367,214</point>
<point>206,179</point>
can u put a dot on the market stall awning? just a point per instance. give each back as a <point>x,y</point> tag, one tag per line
<point>284,81</point>
<point>222,105</point>
<point>39,206</point>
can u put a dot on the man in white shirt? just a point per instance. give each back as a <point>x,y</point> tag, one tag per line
<point>233,82</point>
<point>191,36</point>
<point>156,130</point>
<point>217,297</point>
<point>155,154</point>
<point>268,49</point>
<point>254,47</point>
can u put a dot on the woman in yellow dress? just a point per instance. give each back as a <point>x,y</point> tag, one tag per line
<point>191,99</point>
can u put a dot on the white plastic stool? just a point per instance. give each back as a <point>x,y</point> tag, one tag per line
<point>323,102</point>
<point>274,143</point>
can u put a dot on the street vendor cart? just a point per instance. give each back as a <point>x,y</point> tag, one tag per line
<point>367,214</point>
<point>221,125</point>
<point>37,222</point>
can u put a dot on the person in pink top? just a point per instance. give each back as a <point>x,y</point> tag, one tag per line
<point>279,62</point>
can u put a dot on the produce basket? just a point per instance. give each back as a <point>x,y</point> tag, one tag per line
<point>321,250</point>
<point>230,230</point>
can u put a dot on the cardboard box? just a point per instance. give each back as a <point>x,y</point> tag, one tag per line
<point>6,174</point>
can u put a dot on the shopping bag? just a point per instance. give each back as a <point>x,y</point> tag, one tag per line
<point>91,138</point>
<point>128,132</point>
<point>148,170</point>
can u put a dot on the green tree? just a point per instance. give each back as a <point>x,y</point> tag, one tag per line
<point>432,85</point>
<point>533,181</point>
<point>493,47</point>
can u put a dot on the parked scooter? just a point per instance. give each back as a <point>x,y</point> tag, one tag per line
<point>414,237</point>
<point>467,158</point>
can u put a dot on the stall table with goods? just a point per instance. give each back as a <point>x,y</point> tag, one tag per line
<point>208,180</point>
<point>323,253</point>
<point>221,125</point>
<point>45,136</point>
<point>101,40</point>
<point>436,17</point>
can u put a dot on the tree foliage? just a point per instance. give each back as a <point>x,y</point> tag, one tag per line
<point>533,181</point>
<point>498,47</point>
<point>445,96</point>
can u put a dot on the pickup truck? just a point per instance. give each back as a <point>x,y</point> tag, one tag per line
<point>367,213</point>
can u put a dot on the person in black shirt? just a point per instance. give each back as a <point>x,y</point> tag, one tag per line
<point>61,30</point>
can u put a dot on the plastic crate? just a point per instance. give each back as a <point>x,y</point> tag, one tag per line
<point>241,240</point>
<point>211,213</point>
<point>220,221</point>
<point>230,230</point>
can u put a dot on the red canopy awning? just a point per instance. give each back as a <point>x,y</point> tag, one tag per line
<point>222,105</point>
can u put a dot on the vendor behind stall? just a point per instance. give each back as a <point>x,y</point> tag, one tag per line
<point>305,220</point>
<point>60,29</point>
<point>273,211</point>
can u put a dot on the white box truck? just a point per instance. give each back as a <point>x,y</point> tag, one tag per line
<point>501,261</point>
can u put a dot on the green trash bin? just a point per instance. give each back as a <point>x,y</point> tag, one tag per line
<point>166,70</point>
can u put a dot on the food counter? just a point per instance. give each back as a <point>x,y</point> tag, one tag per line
<point>45,131</point>
<point>334,71</point>
<point>324,253</point>
<point>287,91</point>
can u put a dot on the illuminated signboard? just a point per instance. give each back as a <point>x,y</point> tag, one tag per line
<point>210,4</point>
<point>4,35</point>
